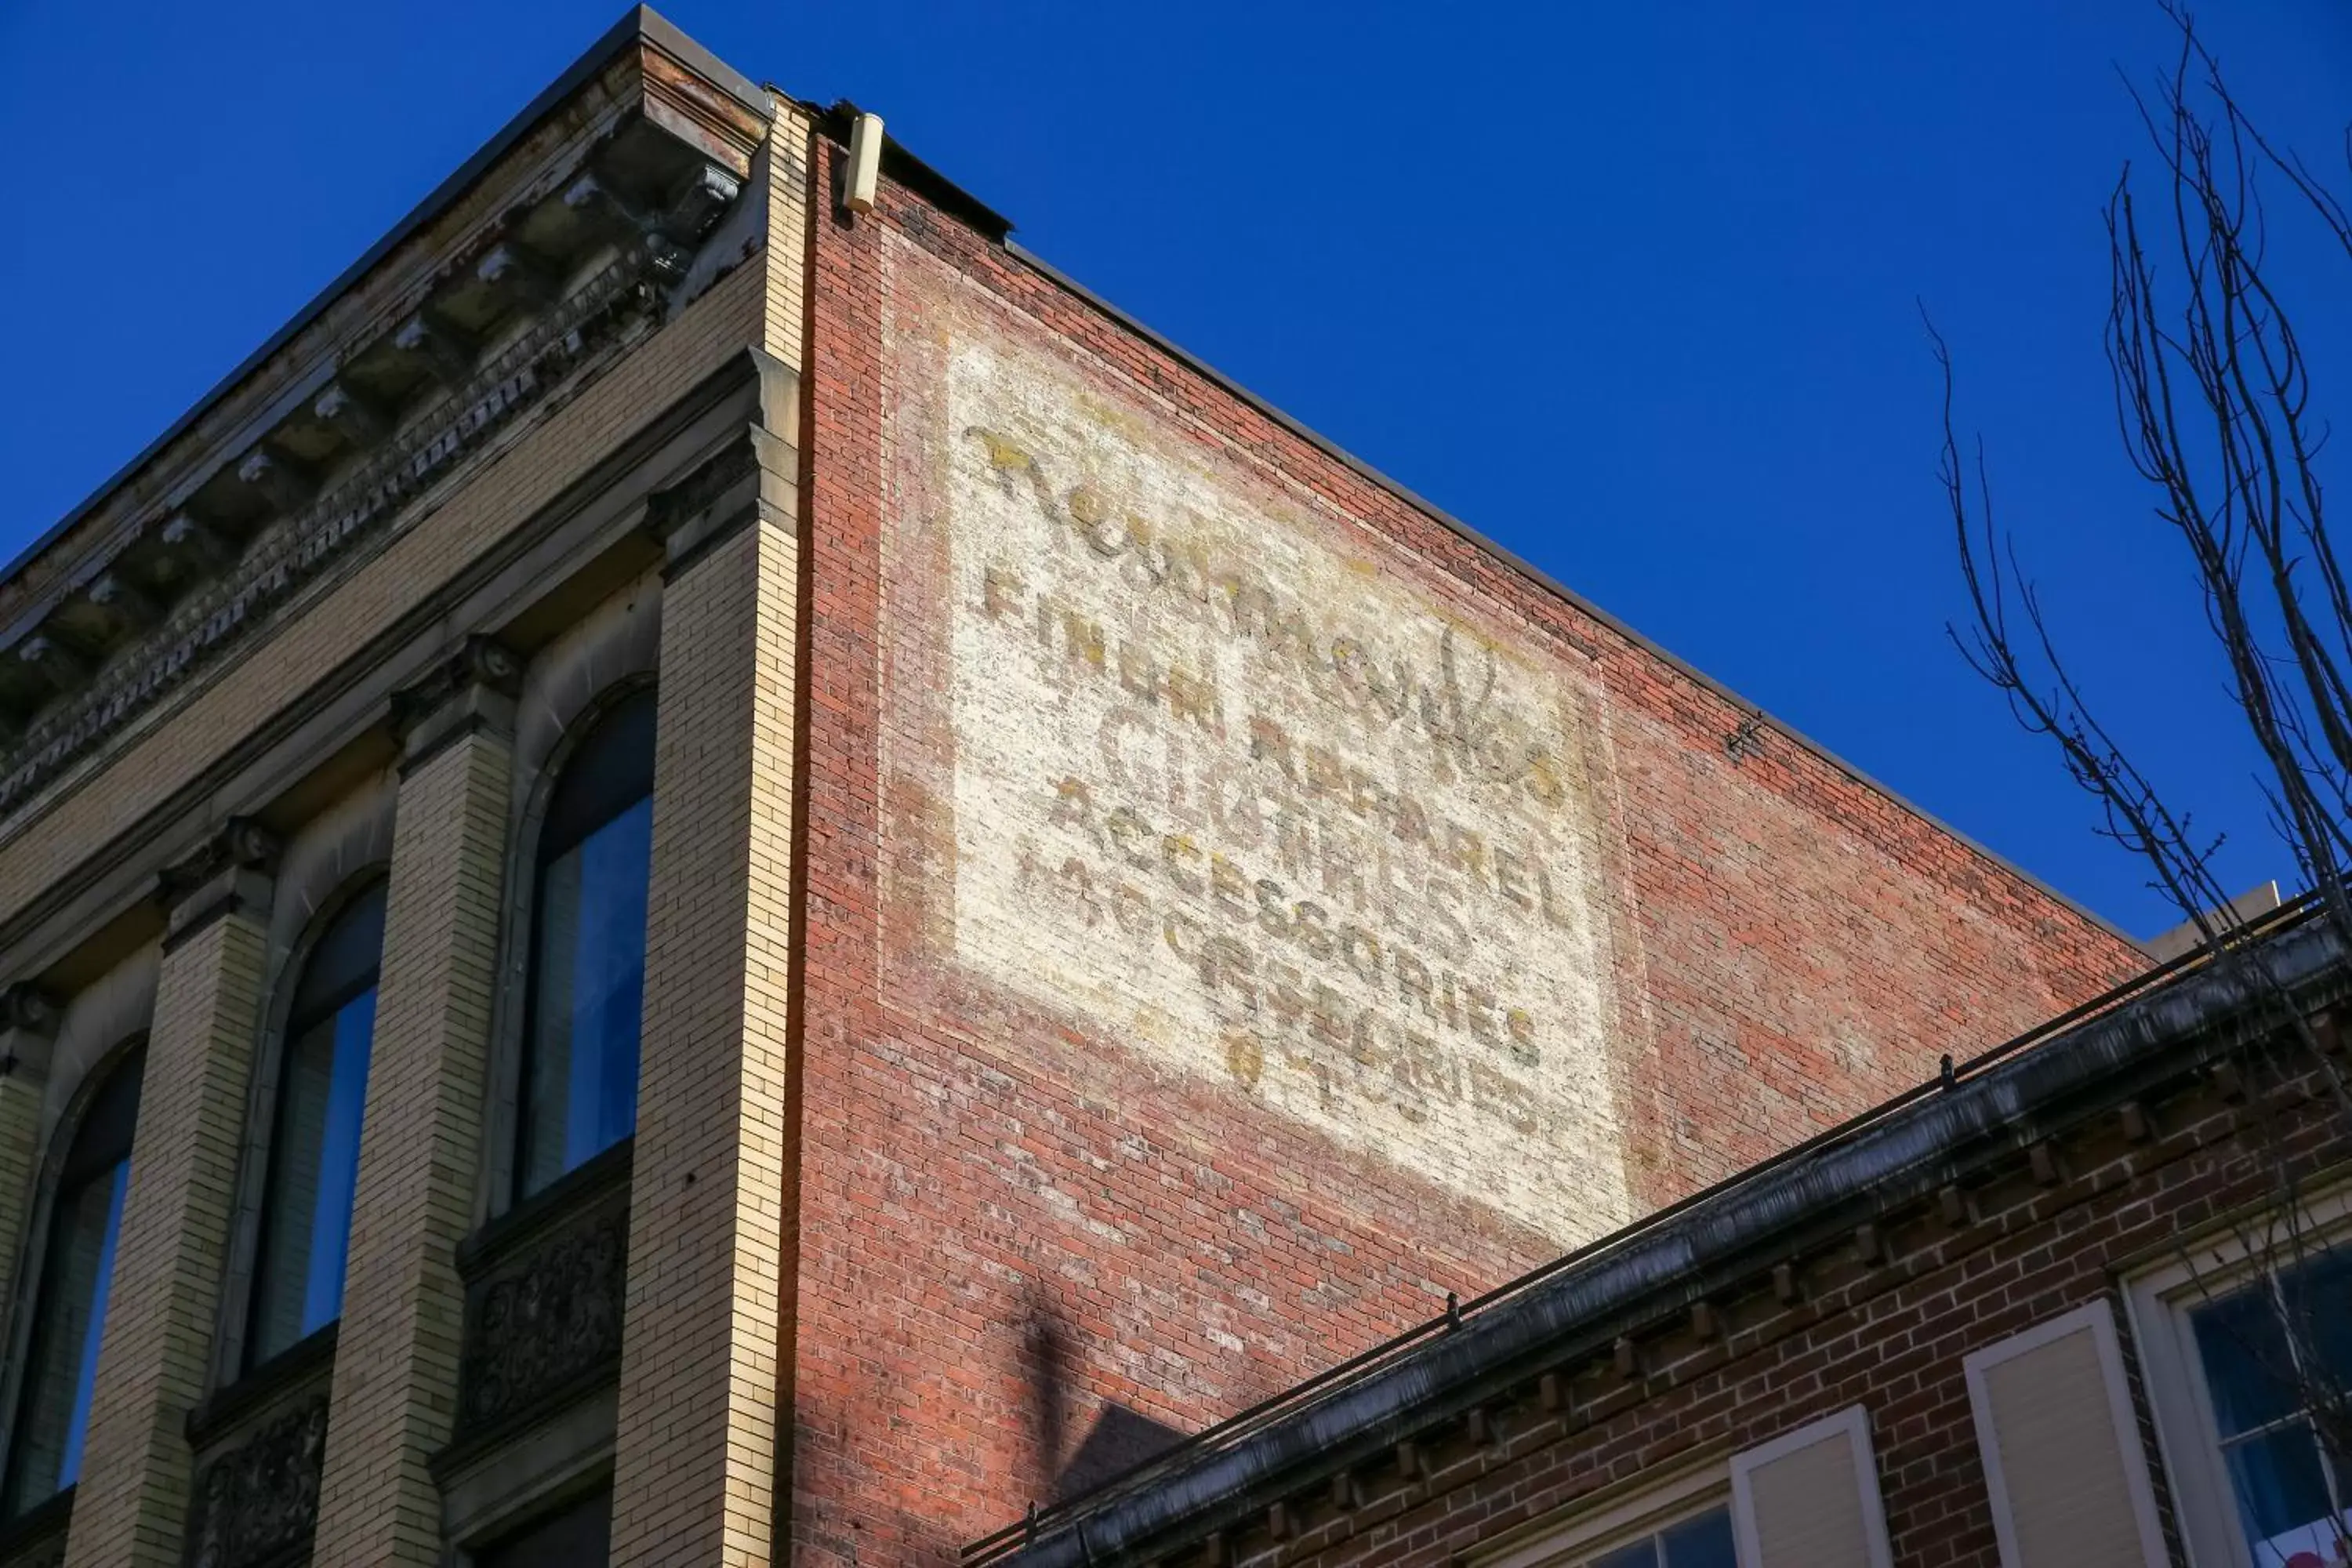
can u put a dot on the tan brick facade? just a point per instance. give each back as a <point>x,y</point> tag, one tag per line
<point>1137,905</point>
<point>395,1384</point>
<point>133,1495</point>
<point>702,1385</point>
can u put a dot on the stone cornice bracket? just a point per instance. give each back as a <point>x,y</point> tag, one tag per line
<point>470,690</point>
<point>53,661</point>
<point>28,1027</point>
<point>446,354</point>
<point>229,871</point>
<point>669,236</point>
<point>697,203</point>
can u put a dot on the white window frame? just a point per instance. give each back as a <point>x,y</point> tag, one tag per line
<point>2099,1318</point>
<point>1854,1422</point>
<point>2157,1300</point>
<point>1591,1526</point>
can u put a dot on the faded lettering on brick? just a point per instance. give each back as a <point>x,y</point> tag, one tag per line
<point>1227,785</point>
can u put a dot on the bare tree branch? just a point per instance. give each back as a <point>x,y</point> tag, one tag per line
<point>2214,404</point>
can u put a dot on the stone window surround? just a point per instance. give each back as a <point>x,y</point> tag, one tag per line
<point>36,1239</point>
<point>2158,1298</point>
<point>625,659</point>
<point>231,1362</point>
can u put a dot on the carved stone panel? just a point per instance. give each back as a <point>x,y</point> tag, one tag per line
<point>37,1538</point>
<point>543,1316</point>
<point>257,1502</point>
<point>50,1553</point>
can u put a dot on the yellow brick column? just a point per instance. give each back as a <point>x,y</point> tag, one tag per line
<point>395,1384</point>
<point>28,1027</point>
<point>696,1445</point>
<point>130,1506</point>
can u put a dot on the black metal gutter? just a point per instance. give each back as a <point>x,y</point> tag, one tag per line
<point>1897,1152</point>
<point>641,23</point>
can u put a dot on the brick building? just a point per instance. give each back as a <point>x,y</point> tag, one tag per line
<point>2084,1300</point>
<point>711,870</point>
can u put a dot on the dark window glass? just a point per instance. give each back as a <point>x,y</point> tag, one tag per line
<point>2266,1350</point>
<point>588,950</point>
<point>314,1152</point>
<point>1701,1541</point>
<point>579,1536</point>
<point>53,1408</point>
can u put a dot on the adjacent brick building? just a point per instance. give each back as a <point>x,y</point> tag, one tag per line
<point>711,871</point>
<point>2086,1299</point>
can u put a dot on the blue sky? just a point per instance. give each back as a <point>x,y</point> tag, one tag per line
<point>1630,287</point>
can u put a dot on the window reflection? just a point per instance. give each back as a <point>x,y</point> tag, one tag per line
<point>1702,1540</point>
<point>2266,1350</point>
<point>69,1316</point>
<point>314,1154</point>
<point>588,951</point>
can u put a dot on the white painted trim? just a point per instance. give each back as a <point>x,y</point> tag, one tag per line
<point>1853,1424</point>
<point>2156,1301</point>
<point>2099,1319</point>
<point>1583,1528</point>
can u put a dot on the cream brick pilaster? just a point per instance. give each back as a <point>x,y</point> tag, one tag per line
<point>395,1384</point>
<point>29,1028</point>
<point>130,1506</point>
<point>701,1392</point>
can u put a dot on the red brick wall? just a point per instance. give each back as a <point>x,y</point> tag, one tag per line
<point>1889,1333</point>
<point>1010,1214</point>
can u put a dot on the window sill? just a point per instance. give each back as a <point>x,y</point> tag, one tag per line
<point>546,1209</point>
<point>297,1366</point>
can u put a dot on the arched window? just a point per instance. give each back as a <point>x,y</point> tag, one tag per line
<point>69,1314</point>
<point>579,1090</point>
<point>314,1150</point>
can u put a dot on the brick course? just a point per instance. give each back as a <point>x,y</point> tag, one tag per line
<point>1888,1332</point>
<point>901,1232</point>
<point>1008,1220</point>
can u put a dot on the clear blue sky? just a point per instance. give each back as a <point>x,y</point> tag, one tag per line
<point>1629,288</point>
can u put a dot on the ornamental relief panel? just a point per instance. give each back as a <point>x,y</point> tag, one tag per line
<point>544,1317</point>
<point>257,1503</point>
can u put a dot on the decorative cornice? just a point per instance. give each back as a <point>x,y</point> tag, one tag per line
<point>344,522</point>
<point>27,1009</point>
<point>470,690</point>
<point>28,1027</point>
<point>706,506</point>
<point>229,871</point>
<point>477,661</point>
<point>240,844</point>
<point>597,244</point>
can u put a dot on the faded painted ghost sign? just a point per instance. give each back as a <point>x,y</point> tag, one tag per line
<point>1224,789</point>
